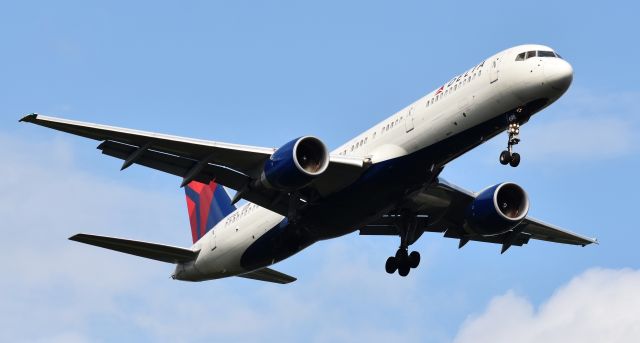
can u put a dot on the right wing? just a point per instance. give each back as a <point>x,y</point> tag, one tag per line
<point>269,275</point>
<point>154,251</point>
<point>441,208</point>
<point>232,165</point>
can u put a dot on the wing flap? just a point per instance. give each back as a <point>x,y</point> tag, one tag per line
<point>269,275</point>
<point>176,165</point>
<point>154,251</point>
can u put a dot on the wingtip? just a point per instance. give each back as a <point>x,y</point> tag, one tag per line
<point>29,118</point>
<point>75,237</point>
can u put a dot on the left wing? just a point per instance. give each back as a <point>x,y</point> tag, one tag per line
<point>232,165</point>
<point>444,205</point>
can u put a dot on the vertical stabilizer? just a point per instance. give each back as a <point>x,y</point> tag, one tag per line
<point>207,205</point>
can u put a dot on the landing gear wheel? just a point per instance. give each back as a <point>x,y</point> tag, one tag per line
<point>414,259</point>
<point>392,265</point>
<point>505,157</point>
<point>403,270</point>
<point>401,255</point>
<point>515,160</point>
<point>402,259</point>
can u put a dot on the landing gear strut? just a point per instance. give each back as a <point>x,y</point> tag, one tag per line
<point>404,261</point>
<point>508,156</point>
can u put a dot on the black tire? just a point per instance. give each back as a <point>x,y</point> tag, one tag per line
<point>392,265</point>
<point>515,160</point>
<point>505,157</point>
<point>401,255</point>
<point>414,259</point>
<point>403,270</point>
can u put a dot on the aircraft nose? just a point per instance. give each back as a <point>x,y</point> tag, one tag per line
<point>558,74</point>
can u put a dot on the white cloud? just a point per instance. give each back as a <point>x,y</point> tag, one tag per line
<point>53,288</point>
<point>600,305</point>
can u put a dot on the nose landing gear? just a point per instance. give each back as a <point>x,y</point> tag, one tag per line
<point>508,156</point>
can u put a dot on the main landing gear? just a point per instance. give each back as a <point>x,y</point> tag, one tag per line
<point>508,156</point>
<point>404,261</point>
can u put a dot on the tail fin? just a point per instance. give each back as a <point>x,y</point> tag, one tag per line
<point>207,205</point>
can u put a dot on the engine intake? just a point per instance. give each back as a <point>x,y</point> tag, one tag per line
<point>295,164</point>
<point>497,209</point>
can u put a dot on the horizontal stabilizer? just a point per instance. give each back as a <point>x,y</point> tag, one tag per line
<point>159,252</point>
<point>269,275</point>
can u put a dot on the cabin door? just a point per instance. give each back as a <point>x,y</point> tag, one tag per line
<point>408,123</point>
<point>494,70</point>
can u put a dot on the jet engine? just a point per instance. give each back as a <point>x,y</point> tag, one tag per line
<point>497,209</point>
<point>295,164</point>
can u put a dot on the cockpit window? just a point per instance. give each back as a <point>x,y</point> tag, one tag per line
<point>526,55</point>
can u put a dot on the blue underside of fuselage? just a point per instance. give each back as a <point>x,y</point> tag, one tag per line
<point>379,190</point>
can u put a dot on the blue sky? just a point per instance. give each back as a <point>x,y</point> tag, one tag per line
<point>262,74</point>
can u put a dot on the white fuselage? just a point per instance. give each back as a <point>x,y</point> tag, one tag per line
<point>489,89</point>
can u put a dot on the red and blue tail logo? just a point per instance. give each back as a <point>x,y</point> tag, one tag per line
<point>207,205</point>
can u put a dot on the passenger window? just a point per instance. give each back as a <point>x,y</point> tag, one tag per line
<point>479,72</point>
<point>530,54</point>
<point>520,57</point>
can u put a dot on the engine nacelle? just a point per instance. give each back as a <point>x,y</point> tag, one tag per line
<point>295,164</point>
<point>497,209</point>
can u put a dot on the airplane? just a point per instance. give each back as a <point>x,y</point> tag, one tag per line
<point>384,181</point>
